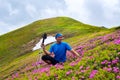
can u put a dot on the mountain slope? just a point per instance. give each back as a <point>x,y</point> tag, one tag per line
<point>15,47</point>
<point>13,44</point>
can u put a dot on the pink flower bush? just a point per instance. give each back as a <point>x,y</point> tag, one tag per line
<point>69,72</point>
<point>109,69</point>
<point>118,77</point>
<point>92,74</point>
<point>73,63</point>
<point>82,71</point>
<point>41,70</point>
<point>104,62</point>
<point>114,61</point>
<point>59,66</point>
<point>87,68</point>
<point>116,69</point>
<point>80,50</point>
<point>117,41</point>
<point>37,63</point>
<point>35,78</point>
<point>16,75</point>
<point>81,67</point>
<point>119,53</point>
<point>73,78</point>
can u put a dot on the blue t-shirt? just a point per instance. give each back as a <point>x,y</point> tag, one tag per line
<point>60,51</point>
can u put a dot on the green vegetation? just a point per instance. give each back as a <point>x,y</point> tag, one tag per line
<point>14,59</point>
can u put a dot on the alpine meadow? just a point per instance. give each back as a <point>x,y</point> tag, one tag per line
<point>99,50</point>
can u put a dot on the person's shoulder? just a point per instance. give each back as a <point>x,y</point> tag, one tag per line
<point>53,44</point>
<point>64,43</point>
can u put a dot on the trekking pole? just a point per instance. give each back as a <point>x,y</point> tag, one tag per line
<point>44,36</point>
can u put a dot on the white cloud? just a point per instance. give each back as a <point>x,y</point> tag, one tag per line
<point>48,12</point>
<point>110,7</point>
<point>31,10</point>
<point>109,3</point>
<point>8,7</point>
<point>13,12</point>
<point>95,12</point>
<point>77,10</point>
<point>74,5</point>
<point>111,11</point>
<point>5,27</point>
<point>2,24</point>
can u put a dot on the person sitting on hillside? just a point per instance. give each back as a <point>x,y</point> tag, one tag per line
<point>59,49</point>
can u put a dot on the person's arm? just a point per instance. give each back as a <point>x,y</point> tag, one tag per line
<point>74,52</point>
<point>44,50</point>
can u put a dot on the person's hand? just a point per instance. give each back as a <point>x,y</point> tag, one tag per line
<point>42,46</point>
<point>78,55</point>
<point>73,51</point>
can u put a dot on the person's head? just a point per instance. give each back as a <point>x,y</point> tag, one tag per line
<point>59,37</point>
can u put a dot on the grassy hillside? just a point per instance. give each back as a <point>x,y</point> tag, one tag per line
<point>17,62</point>
<point>12,44</point>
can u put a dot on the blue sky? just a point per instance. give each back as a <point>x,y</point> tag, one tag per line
<point>16,13</point>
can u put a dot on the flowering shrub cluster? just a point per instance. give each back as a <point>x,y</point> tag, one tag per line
<point>117,41</point>
<point>111,66</point>
<point>92,74</point>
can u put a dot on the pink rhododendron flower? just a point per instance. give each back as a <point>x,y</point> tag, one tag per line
<point>59,66</point>
<point>92,74</point>
<point>69,72</point>
<point>118,77</point>
<point>82,71</point>
<point>15,75</point>
<point>109,69</point>
<point>91,57</point>
<point>73,78</point>
<point>117,41</point>
<point>73,63</point>
<point>104,62</point>
<point>35,78</point>
<point>81,67</point>
<point>116,69</point>
<point>87,68</point>
<point>41,70</point>
<point>118,52</point>
<point>114,61</point>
